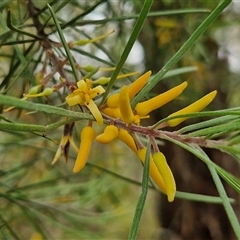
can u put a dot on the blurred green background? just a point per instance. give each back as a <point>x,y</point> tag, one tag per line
<point>41,201</point>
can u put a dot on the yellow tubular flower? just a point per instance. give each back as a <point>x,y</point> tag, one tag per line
<point>87,137</point>
<point>84,95</point>
<point>109,134</point>
<point>126,137</point>
<point>133,89</point>
<point>125,107</point>
<point>146,107</point>
<point>166,173</point>
<point>193,108</point>
<point>154,173</point>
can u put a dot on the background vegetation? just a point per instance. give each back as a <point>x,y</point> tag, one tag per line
<point>195,41</point>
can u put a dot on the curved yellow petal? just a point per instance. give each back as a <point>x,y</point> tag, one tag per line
<point>154,173</point>
<point>74,99</point>
<point>166,173</point>
<point>63,142</point>
<point>146,107</point>
<point>193,108</point>
<point>109,134</point>
<point>94,92</point>
<point>125,107</point>
<point>95,111</point>
<point>126,137</point>
<point>87,137</point>
<point>82,86</point>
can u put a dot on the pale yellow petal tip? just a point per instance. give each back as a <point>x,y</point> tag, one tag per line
<point>214,93</point>
<point>171,196</point>
<point>184,84</point>
<point>56,157</point>
<point>75,170</point>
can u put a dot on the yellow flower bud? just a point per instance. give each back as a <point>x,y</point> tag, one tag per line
<point>125,107</point>
<point>102,80</point>
<point>87,137</point>
<point>166,173</point>
<point>138,84</point>
<point>88,68</point>
<point>109,134</point>
<point>126,137</point>
<point>35,89</point>
<point>193,108</point>
<point>146,107</point>
<point>83,42</point>
<point>154,173</point>
<point>46,92</point>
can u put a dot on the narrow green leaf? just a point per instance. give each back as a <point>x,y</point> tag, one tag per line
<point>225,112</point>
<point>136,30</point>
<point>142,198</point>
<point>65,45</point>
<point>150,14</point>
<point>220,130</point>
<point>227,205</point>
<point>208,123</point>
<point>38,107</point>
<point>14,29</point>
<point>80,16</point>
<point>5,224</point>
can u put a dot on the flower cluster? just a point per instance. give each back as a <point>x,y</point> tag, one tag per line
<point>122,122</point>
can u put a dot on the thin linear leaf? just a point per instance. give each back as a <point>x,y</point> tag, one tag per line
<point>208,123</point>
<point>228,207</point>
<point>38,107</point>
<point>5,224</point>
<point>219,129</point>
<point>150,14</point>
<point>74,20</point>
<point>65,45</point>
<point>142,198</point>
<point>14,29</point>
<point>136,30</point>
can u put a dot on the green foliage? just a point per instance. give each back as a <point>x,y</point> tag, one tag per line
<point>52,201</point>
